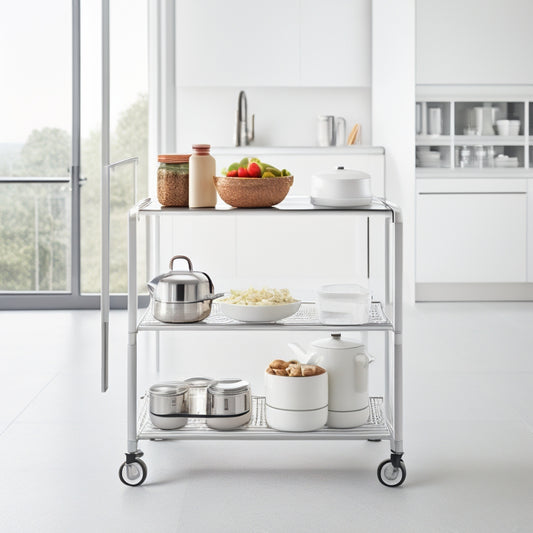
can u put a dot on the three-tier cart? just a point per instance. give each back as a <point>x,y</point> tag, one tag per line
<point>385,421</point>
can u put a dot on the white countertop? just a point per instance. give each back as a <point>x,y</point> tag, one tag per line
<point>356,149</point>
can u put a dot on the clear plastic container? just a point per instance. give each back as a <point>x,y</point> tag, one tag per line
<point>343,304</point>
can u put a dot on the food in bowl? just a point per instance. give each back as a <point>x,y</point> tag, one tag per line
<point>259,305</point>
<point>252,167</point>
<point>262,296</point>
<point>293,369</point>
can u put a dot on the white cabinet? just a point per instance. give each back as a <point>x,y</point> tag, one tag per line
<point>471,231</point>
<point>473,42</point>
<point>279,43</point>
<point>335,43</point>
<point>237,43</point>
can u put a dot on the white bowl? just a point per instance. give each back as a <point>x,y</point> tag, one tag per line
<point>259,313</point>
<point>508,127</point>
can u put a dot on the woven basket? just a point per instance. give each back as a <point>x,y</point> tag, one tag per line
<point>253,192</point>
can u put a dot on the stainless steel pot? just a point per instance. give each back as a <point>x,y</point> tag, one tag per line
<point>167,400</point>
<point>181,296</point>
<point>229,403</point>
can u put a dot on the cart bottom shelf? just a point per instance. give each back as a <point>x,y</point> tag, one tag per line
<point>196,428</point>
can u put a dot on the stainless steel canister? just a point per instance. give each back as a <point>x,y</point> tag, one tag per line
<point>169,398</point>
<point>198,395</point>
<point>228,397</point>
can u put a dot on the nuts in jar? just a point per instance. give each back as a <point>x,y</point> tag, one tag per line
<point>173,180</point>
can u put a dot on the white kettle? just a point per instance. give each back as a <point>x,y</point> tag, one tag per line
<point>347,365</point>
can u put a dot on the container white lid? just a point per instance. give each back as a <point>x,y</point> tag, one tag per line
<point>343,290</point>
<point>341,173</point>
<point>335,342</point>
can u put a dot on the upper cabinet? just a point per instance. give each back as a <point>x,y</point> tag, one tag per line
<point>279,43</point>
<point>474,42</point>
<point>336,43</point>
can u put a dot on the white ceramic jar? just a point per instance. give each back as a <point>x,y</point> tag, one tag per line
<point>296,403</point>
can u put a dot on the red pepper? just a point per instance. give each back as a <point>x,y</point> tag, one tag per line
<point>242,173</point>
<point>232,174</point>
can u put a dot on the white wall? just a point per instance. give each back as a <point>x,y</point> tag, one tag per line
<point>393,104</point>
<point>284,116</point>
<point>474,42</point>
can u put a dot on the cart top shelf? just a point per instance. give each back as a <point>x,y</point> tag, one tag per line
<point>291,204</point>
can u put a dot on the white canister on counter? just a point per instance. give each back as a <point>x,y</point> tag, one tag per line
<point>202,169</point>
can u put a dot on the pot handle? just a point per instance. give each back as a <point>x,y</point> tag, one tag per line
<point>214,296</point>
<point>180,257</point>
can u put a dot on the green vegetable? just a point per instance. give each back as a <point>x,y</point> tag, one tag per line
<point>244,162</point>
<point>285,172</point>
<point>224,171</point>
<point>234,166</point>
<point>268,175</point>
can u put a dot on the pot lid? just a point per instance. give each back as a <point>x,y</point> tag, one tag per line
<point>341,173</point>
<point>169,388</point>
<point>229,386</point>
<point>335,342</point>
<point>181,286</point>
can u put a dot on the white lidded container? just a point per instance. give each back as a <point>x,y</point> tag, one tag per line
<point>343,304</point>
<point>341,188</point>
<point>296,403</point>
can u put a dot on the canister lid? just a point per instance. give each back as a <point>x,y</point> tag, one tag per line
<point>173,158</point>
<point>341,173</point>
<point>229,386</point>
<point>199,382</point>
<point>169,388</point>
<point>336,342</point>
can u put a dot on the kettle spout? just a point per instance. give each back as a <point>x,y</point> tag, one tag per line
<point>301,353</point>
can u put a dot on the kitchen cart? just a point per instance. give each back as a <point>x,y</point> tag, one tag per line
<point>385,420</point>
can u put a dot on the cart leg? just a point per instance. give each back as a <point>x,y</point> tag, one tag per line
<point>392,472</point>
<point>133,471</point>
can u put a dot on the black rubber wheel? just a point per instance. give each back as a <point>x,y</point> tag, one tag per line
<point>133,474</point>
<point>391,476</point>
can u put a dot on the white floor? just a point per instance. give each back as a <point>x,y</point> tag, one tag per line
<point>468,440</point>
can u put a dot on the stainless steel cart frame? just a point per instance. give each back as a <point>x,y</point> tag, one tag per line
<point>386,417</point>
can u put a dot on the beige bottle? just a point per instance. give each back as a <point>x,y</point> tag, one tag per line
<point>202,168</point>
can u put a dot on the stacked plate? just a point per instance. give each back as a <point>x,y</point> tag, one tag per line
<point>428,158</point>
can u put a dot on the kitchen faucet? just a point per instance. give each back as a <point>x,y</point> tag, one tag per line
<point>242,138</point>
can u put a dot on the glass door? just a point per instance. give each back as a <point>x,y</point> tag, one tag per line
<point>50,147</point>
<point>38,178</point>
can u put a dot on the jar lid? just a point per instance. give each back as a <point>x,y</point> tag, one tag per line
<point>173,158</point>
<point>201,149</point>
<point>169,388</point>
<point>229,386</point>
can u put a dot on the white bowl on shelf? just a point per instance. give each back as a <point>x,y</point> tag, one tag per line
<point>259,313</point>
<point>508,127</point>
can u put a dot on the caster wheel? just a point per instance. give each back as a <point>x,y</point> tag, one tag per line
<point>391,476</point>
<point>133,474</point>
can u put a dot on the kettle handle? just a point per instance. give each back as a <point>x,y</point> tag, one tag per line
<point>189,262</point>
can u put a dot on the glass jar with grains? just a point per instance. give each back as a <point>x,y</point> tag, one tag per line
<point>173,180</point>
